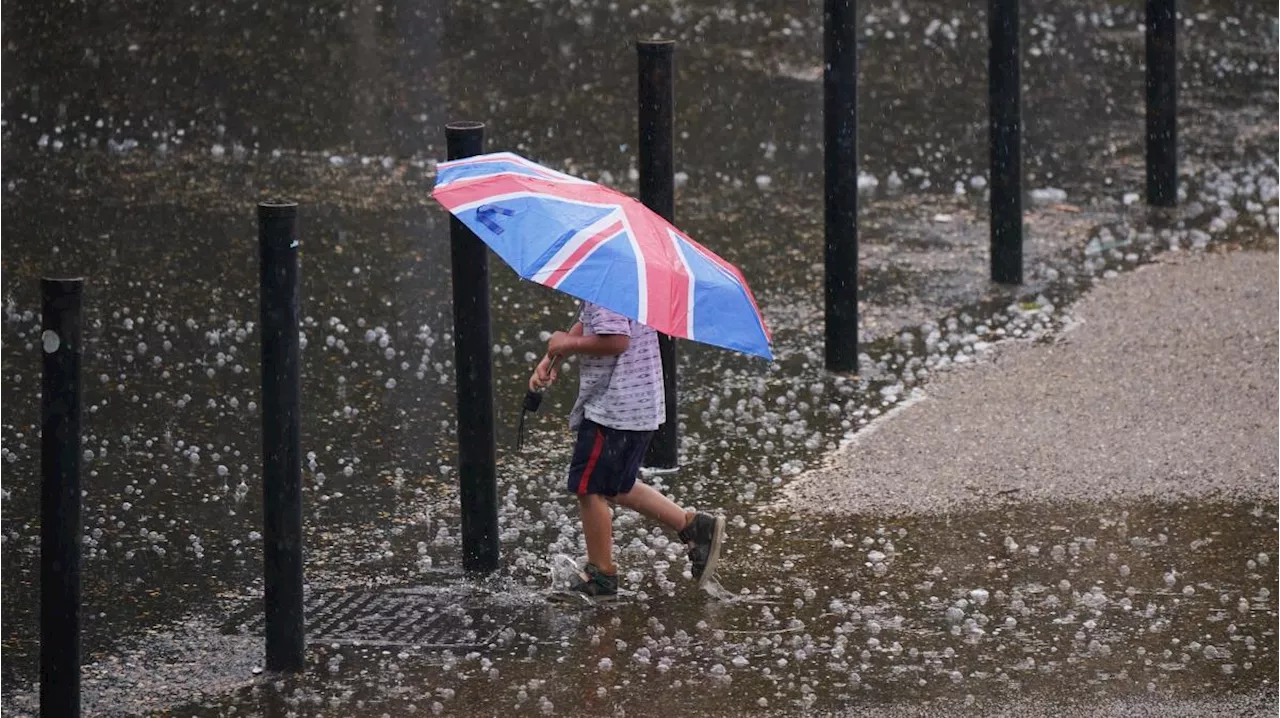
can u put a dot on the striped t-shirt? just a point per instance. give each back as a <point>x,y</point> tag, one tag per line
<point>623,391</point>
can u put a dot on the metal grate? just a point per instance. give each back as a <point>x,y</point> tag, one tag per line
<point>394,618</point>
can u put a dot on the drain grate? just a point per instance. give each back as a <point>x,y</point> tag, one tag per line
<point>394,618</point>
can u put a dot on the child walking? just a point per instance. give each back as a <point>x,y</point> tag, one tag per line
<point>620,404</point>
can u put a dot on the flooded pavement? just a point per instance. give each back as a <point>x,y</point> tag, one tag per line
<point>137,144</point>
<point>1079,605</point>
<point>924,612</point>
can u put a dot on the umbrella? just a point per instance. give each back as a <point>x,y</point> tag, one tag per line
<point>602,246</point>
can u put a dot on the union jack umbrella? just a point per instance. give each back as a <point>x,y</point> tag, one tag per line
<point>600,245</point>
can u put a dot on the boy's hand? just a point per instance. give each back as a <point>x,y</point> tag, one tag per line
<point>543,376</point>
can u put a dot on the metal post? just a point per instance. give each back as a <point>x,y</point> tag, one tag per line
<point>1005,111</point>
<point>840,121</point>
<point>472,347</point>
<point>1162,103</point>
<point>60,499</point>
<point>657,192</point>
<point>281,435</point>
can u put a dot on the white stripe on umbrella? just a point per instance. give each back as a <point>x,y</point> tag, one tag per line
<point>567,250</point>
<point>593,244</point>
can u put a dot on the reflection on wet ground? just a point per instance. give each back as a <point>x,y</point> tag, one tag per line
<point>137,143</point>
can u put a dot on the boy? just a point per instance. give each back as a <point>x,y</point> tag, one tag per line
<point>620,404</point>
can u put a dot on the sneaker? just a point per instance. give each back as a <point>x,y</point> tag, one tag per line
<point>703,536</point>
<point>594,583</point>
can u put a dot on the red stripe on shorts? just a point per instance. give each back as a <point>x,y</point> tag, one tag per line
<point>591,462</point>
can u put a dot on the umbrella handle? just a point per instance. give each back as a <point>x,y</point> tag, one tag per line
<point>538,393</point>
<point>532,400</point>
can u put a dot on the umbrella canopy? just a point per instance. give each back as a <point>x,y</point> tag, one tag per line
<point>600,245</point>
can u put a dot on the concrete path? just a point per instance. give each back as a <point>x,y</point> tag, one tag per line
<point>1166,388</point>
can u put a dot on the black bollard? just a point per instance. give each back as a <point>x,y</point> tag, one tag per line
<point>473,362</point>
<point>658,193</point>
<point>1162,103</point>
<point>60,499</point>
<point>1005,110</point>
<point>840,122</point>
<point>281,435</point>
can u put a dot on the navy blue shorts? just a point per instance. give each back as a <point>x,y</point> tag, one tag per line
<point>606,461</point>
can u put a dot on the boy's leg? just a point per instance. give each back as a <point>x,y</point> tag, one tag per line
<point>597,527</point>
<point>701,532</point>
<point>589,472</point>
<point>651,503</point>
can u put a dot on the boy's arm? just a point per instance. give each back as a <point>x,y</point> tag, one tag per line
<point>574,331</point>
<point>573,342</point>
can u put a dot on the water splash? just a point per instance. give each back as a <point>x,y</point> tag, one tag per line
<point>564,570</point>
<point>713,588</point>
